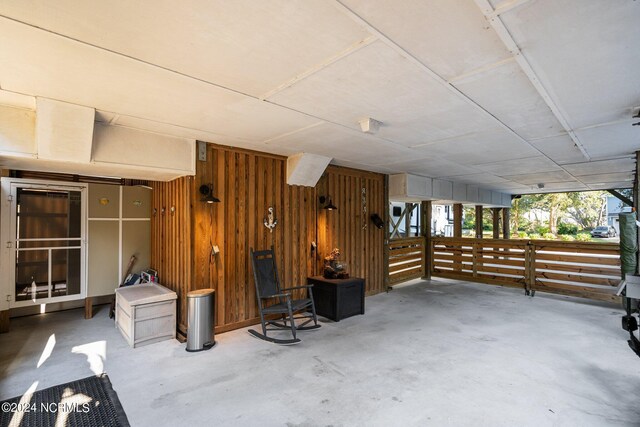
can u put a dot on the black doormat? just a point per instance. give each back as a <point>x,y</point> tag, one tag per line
<point>87,402</point>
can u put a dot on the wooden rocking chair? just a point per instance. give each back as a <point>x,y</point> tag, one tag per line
<point>268,289</point>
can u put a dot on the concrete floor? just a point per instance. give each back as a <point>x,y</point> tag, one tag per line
<point>432,353</point>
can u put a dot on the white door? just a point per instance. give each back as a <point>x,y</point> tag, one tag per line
<point>44,241</point>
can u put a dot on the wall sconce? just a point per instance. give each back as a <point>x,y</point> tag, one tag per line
<point>207,194</point>
<point>329,206</point>
<point>377,221</point>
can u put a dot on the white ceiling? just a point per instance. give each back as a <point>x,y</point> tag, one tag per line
<point>505,94</point>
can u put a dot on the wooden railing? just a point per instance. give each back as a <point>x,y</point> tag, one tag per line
<point>583,269</point>
<point>406,259</point>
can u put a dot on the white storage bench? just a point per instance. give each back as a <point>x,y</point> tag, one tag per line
<point>146,313</point>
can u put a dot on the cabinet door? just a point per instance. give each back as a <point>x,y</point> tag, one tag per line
<point>136,240</point>
<point>104,201</point>
<point>103,257</point>
<point>136,202</point>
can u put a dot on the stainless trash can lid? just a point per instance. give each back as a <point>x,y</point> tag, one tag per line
<point>200,293</point>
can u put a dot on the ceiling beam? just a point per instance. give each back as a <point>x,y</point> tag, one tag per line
<point>504,35</point>
<point>508,5</point>
<point>454,90</point>
<point>481,70</point>
<point>436,77</point>
<point>324,64</point>
<point>343,54</point>
<point>293,132</point>
<point>624,199</point>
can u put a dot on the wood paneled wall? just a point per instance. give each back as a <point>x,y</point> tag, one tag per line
<point>171,250</point>
<point>248,183</point>
<point>350,228</point>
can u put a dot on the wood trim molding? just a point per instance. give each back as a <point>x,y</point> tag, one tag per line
<point>4,321</point>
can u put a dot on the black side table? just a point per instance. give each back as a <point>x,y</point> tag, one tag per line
<point>337,299</point>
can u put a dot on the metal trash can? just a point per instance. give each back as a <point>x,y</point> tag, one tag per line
<point>200,318</point>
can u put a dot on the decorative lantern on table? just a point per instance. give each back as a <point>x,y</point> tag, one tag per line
<point>333,267</point>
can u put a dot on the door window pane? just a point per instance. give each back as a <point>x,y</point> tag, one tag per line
<point>32,275</point>
<point>48,214</point>
<point>48,232</point>
<point>65,274</point>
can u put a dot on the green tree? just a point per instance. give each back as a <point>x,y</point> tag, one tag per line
<point>469,214</point>
<point>628,193</point>
<point>487,219</point>
<point>587,208</point>
<point>469,222</point>
<point>554,203</point>
<point>519,208</point>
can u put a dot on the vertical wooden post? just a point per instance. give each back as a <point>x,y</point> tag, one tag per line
<point>474,259</point>
<point>530,268</point>
<point>385,241</point>
<point>636,195</point>
<point>88,308</point>
<point>636,183</point>
<point>427,212</point>
<point>496,222</point>
<point>4,314</point>
<point>457,220</point>
<point>533,268</point>
<point>506,223</point>
<point>527,267</point>
<point>4,321</point>
<point>457,232</point>
<point>478,221</point>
